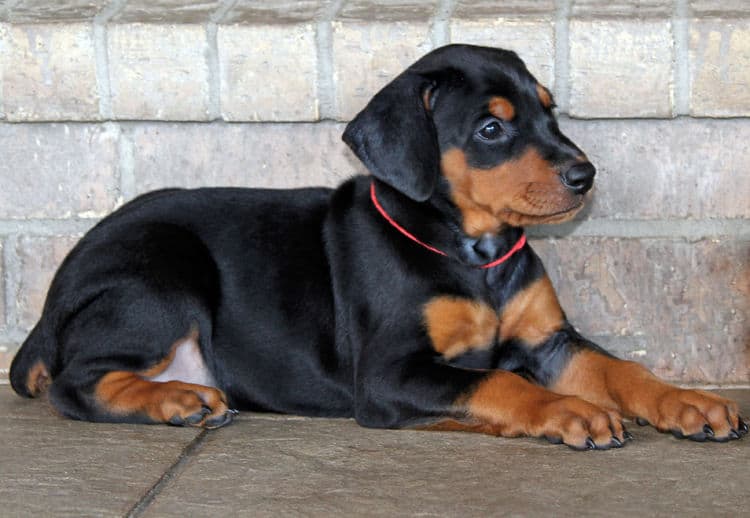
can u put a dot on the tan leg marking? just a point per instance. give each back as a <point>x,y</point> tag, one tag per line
<point>127,393</point>
<point>508,405</point>
<point>38,379</point>
<point>633,390</point>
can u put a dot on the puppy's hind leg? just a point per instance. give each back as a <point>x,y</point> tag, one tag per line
<point>137,371</point>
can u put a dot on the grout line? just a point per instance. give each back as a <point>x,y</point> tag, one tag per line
<point>324,83</point>
<point>47,227</point>
<point>126,166</point>
<point>101,57</point>
<point>5,260</point>
<point>220,13</point>
<point>685,229</point>
<point>214,71</point>
<point>212,58</point>
<point>562,56</point>
<point>440,28</point>
<point>170,474</point>
<point>681,34</point>
<point>688,229</point>
<point>12,278</point>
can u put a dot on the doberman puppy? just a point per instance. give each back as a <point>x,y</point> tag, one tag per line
<point>408,298</point>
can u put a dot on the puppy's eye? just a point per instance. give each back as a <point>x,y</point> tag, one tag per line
<point>493,130</point>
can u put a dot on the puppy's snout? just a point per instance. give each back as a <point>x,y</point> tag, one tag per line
<point>579,178</point>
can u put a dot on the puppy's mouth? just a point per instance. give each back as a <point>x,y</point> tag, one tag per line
<point>521,218</point>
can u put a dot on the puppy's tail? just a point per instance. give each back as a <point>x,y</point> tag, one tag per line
<point>30,371</point>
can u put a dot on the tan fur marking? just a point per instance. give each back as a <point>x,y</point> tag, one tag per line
<point>524,191</point>
<point>533,314</point>
<point>126,393</point>
<point>502,108</point>
<point>544,96</point>
<point>508,404</point>
<point>633,390</point>
<point>457,325</point>
<point>38,379</point>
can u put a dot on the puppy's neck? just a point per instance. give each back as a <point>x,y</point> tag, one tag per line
<point>435,224</point>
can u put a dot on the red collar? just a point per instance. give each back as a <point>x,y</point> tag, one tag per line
<point>519,244</point>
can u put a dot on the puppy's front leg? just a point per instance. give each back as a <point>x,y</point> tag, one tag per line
<point>435,396</point>
<point>637,393</point>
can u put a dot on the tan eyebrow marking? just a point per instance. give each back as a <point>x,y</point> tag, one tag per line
<point>502,108</point>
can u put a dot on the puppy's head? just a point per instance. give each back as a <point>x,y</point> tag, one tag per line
<point>472,124</point>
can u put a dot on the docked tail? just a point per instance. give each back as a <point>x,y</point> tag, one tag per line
<point>30,372</point>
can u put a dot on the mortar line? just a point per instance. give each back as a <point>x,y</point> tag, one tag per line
<point>7,8</point>
<point>562,56</point>
<point>681,35</point>
<point>214,78</point>
<point>325,95</point>
<point>220,13</point>
<point>125,165</point>
<point>212,58</point>
<point>101,56</point>
<point>170,474</point>
<point>12,276</point>
<point>440,26</point>
<point>6,258</point>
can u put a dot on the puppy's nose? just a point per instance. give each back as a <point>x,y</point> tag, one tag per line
<point>579,178</point>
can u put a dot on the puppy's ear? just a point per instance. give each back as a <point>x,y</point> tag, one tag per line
<point>395,137</point>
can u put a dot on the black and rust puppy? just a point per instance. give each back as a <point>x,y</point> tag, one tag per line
<point>405,299</point>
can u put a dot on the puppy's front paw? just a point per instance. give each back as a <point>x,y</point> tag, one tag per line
<point>580,424</point>
<point>696,415</point>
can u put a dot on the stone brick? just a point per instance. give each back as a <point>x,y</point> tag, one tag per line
<point>159,72</point>
<point>50,72</point>
<point>720,67</point>
<point>621,68</point>
<point>58,170</point>
<point>682,168</point>
<point>280,11</point>
<point>622,8</point>
<point>680,308</point>
<point>35,11</point>
<point>38,259</point>
<point>532,36</point>
<point>166,11</point>
<point>256,155</point>
<point>268,72</point>
<point>367,55</point>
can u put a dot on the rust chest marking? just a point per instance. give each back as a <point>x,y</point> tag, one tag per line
<point>457,325</point>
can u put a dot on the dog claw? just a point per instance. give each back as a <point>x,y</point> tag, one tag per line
<point>220,420</point>
<point>641,421</point>
<point>627,435</point>
<point>708,430</point>
<point>743,427</point>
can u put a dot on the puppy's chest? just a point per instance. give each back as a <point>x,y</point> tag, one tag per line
<point>456,325</point>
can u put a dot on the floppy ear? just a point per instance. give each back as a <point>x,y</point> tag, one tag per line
<point>395,138</point>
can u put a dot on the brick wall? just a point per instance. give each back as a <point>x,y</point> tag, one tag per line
<point>103,99</point>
